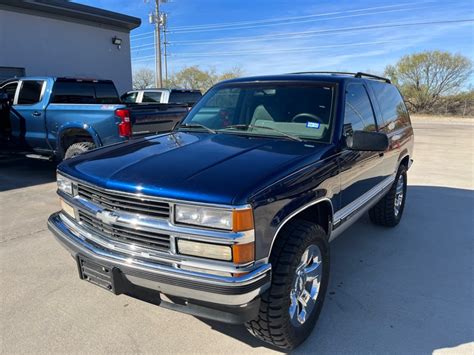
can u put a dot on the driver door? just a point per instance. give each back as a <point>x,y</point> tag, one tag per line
<point>5,123</point>
<point>360,171</point>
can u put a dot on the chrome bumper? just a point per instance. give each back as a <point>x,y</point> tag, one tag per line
<point>229,291</point>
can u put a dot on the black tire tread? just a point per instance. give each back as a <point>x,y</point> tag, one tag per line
<point>383,212</point>
<point>80,147</point>
<point>270,326</point>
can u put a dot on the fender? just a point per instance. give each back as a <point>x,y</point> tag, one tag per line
<point>300,209</point>
<point>77,125</point>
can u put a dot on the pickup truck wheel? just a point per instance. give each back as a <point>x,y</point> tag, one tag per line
<point>389,210</point>
<point>78,148</point>
<point>290,308</point>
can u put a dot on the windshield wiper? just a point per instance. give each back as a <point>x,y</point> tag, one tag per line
<point>247,126</point>
<point>197,125</point>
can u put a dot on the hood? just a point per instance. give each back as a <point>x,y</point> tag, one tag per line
<point>210,168</point>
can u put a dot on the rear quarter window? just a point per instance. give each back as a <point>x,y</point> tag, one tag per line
<point>394,112</point>
<point>177,97</point>
<point>79,92</point>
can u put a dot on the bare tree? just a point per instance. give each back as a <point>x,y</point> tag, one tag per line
<point>424,78</point>
<point>143,78</point>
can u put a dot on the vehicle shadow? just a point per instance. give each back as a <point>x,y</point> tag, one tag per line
<point>17,171</point>
<point>407,289</point>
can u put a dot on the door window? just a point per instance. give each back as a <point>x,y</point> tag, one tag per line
<point>359,115</point>
<point>10,90</point>
<point>130,98</point>
<point>30,92</point>
<point>151,96</point>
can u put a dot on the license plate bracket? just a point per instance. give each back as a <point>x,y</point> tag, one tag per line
<point>98,274</point>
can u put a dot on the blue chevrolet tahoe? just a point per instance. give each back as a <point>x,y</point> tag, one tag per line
<point>230,216</point>
<point>64,117</point>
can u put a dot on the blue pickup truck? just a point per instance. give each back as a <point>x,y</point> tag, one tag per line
<point>230,216</point>
<point>64,117</point>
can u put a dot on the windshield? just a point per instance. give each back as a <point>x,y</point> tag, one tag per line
<point>284,110</point>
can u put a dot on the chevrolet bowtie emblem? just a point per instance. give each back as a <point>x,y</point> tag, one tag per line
<point>107,217</point>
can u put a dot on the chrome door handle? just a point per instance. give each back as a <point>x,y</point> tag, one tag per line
<point>36,114</point>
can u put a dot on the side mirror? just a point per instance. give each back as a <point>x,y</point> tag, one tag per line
<point>4,97</point>
<point>367,141</point>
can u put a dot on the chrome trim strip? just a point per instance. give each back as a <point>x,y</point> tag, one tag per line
<point>154,198</point>
<point>294,213</point>
<point>151,254</point>
<point>55,222</point>
<point>362,200</point>
<point>161,225</point>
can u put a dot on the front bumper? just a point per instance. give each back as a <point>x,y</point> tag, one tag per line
<point>204,291</point>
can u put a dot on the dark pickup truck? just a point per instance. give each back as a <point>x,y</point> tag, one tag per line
<point>64,117</point>
<point>230,216</point>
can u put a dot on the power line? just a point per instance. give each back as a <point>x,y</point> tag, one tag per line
<point>244,53</point>
<point>304,34</point>
<point>326,19</point>
<point>292,22</point>
<point>283,50</point>
<point>265,21</point>
<point>142,34</point>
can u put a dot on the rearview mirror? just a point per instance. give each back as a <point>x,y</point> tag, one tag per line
<point>367,141</point>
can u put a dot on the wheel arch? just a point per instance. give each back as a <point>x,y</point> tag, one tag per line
<point>404,158</point>
<point>319,211</point>
<point>70,134</point>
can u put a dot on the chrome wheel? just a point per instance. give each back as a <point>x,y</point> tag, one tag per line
<point>399,194</point>
<point>305,290</point>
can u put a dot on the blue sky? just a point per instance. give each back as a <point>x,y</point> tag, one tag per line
<point>277,36</point>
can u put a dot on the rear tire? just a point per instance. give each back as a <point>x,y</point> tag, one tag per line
<point>389,210</point>
<point>281,320</point>
<point>77,149</point>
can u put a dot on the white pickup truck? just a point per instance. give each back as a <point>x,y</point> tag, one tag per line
<point>162,96</point>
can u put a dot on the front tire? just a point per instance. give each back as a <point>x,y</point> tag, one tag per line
<point>78,148</point>
<point>291,306</point>
<point>389,210</point>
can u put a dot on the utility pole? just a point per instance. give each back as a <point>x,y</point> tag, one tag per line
<point>164,22</point>
<point>155,19</point>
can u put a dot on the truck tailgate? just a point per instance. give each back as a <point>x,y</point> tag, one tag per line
<point>148,119</point>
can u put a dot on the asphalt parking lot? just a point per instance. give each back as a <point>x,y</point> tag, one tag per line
<point>403,290</point>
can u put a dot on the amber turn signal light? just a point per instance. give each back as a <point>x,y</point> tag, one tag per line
<point>243,253</point>
<point>242,220</point>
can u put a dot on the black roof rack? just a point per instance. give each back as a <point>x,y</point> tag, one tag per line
<point>371,76</point>
<point>355,75</point>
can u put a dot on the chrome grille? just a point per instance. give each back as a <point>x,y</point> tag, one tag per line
<point>146,239</point>
<point>125,203</point>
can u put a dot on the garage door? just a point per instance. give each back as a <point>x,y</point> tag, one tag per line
<point>11,72</point>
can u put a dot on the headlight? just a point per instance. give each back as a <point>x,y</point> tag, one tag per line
<point>234,220</point>
<point>205,250</point>
<point>238,253</point>
<point>67,208</point>
<point>64,184</point>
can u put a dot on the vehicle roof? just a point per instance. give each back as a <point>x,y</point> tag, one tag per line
<point>167,89</point>
<point>316,76</point>
<point>55,79</point>
<point>162,89</point>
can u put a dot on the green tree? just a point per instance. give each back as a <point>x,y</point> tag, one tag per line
<point>424,78</point>
<point>196,78</point>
